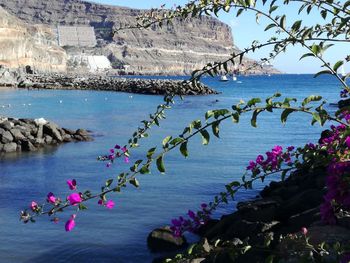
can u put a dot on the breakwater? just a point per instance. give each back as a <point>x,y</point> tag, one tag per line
<point>141,86</point>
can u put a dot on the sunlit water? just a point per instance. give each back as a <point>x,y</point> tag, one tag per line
<point>119,235</point>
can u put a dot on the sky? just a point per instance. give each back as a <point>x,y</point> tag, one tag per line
<point>245,30</point>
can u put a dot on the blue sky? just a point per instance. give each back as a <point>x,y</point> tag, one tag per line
<point>245,30</point>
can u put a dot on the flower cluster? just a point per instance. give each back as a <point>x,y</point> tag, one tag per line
<point>273,160</point>
<point>115,153</point>
<point>338,191</point>
<point>192,224</point>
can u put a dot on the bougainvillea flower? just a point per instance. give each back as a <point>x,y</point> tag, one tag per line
<point>126,160</point>
<point>117,146</point>
<point>347,141</point>
<point>74,199</point>
<point>111,150</point>
<point>70,224</point>
<point>51,198</point>
<point>124,149</point>
<point>72,184</point>
<point>109,204</point>
<point>34,206</point>
<point>100,202</point>
<point>304,231</point>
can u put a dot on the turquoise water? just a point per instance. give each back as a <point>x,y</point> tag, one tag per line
<point>119,235</point>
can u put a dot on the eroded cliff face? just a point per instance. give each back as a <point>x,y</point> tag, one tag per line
<point>24,45</point>
<point>174,49</point>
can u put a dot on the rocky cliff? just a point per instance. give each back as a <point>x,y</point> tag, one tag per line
<point>173,49</point>
<point>24,45</point>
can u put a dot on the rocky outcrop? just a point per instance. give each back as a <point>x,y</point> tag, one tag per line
<point>174,49</point>
<point>282,209</point>
<point>29,135</point>
<point>142,86</point>
<point>24,45</point>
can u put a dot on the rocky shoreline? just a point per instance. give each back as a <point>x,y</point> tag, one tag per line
<point>28,135</point>
<point>282,208</point>
<point>105,83</point>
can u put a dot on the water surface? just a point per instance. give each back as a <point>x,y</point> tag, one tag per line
<point>119,235</point>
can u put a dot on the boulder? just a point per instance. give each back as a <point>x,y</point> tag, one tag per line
<point>9,147</point>
<point>7,125</point>
<point>162,239</point>
<point>40,133</point>
<point>6,137</point>
<point>17,134</point>
<point>52,130</point>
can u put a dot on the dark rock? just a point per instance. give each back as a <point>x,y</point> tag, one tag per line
<point>69,131</point>
<point>344,221</point>
<point>329,234</point>
<point>82,133</point>
<point>202,230</point>
<point>9,147</point>
<point>162,239</point>
<point>304,219</point>
<point>6,137</point>
<point>299,203</point>
<point>67,138</point>
<point>262,210</point>
<point>27,146</point>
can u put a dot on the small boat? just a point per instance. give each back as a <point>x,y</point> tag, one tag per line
<point>223,78</point>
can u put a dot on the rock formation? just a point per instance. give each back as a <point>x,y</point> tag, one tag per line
<point>24,45</point>
<point>28,135</point>
<point>171,50</point>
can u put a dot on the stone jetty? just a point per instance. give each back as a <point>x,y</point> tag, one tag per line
<point>27,135</point>
<point>131,85</point>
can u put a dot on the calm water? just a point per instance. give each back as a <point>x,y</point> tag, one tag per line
<point>119,235</point>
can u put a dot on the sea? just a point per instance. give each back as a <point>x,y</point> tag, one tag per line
<point>120,234</point>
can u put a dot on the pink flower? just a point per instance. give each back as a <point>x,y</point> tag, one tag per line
<point>34,206</point>
<point>70,224</point>
<point>51,198</point>
<point>100,202</point>
<point>304,231</point>
<point>347,141</point>
<point>117,146</point>
<point>110,204</point>
<point>72,184</point>
<point>124,149</point>
<point>126,160</point>
<point>74,199</point>
<point>111,150</point>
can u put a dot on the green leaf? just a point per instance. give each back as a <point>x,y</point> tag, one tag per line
<point>205,137</point>
<point>109,182</point>
<point>338,65</point>
<point>311,99</point>
<point>134,182</point>
<point>166,140</point>
<point>253,101</point>
<point>283,21</point>
<point>82,207</point>
<point>254,117</point>
<point>316,118</point>
<point>270,26</point>
<point>235,117</point>
<point>151,152</point>
<point>285,115</point>
<point>145,169</point>
<point>322,72</point>
<point>216,129</point>
<point>209,114</point>
<point>160,164</point>
<point>273,8</point>
<point>183,149</point>
<point>296,25</point>
<point>176,141</point>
